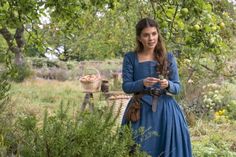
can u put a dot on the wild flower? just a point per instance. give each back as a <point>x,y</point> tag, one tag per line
<point>220,116</point>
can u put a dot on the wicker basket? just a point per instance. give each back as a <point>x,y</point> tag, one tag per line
<point>91,82</point>
<point>120,101</point>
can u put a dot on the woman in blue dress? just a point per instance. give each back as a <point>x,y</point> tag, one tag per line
<point>150,71</point>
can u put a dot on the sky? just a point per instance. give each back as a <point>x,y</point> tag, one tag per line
<point>234,1</point>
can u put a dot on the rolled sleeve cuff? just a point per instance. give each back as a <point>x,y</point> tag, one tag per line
<point>140,85</point>
<point>173,87</point>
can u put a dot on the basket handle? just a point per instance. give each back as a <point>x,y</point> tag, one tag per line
<point>92,68</point>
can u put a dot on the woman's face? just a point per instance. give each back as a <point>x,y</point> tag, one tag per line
<point>149,38</point>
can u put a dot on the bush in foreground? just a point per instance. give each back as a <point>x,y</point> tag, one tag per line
<point>62,135</point>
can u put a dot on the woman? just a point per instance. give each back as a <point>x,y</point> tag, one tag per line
<point>151,75</point>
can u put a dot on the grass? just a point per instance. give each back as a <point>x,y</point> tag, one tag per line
<point>34,96</point>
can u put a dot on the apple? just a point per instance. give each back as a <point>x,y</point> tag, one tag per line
<point>184,11</point>
<point>164,24</point>
<point>196,27</point>
<point>222,25</point>
<point>214,28</point>
<point>226,14</point>
<point>209,16</point>
<point>212,40</point>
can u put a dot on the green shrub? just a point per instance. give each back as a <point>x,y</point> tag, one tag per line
<point>38,62</point>
<point>70,65</point>
<point>2,57</point>
<point>20,73</point>
<point>5,119</point>
<point>52,64</point>
<point>86,135</point>
<point>214,97</point>
<point>231,110</point>
<point>214,147</point>
<point>4,82</point>
<point>4,88</point>
<point>32,50</point>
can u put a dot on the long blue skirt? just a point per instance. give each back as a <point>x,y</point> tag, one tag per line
<point>163,133</point>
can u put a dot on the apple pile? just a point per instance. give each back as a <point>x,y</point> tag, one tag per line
<point>89,78</point>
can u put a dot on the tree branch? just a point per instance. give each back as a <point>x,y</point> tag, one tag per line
<point>153,7</point>
<point>9,39</point>
<point>163,9</point>
<point>19,37</point>
<point>211,70</point>
<point>192,70</point>
<point>7,36</point>
<point>173,20</point>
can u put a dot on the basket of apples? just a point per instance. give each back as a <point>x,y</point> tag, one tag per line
<point>91,82</point>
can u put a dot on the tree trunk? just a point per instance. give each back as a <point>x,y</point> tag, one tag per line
<point>16,49</point>
<point>19,59</point>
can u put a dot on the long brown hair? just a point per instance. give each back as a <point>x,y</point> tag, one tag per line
<point>160,49</point>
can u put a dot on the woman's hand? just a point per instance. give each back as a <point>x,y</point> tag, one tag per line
<point>164,83</point>
<point>150,81</point>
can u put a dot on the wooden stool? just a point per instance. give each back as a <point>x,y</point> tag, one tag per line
<point>88,99</point>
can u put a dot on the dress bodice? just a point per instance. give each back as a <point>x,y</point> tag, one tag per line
<point>134,72</point>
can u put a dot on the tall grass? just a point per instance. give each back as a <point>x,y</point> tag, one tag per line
<point>34,96</point>
<point>61,135</point>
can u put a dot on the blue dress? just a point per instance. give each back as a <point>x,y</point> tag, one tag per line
<point>163,133</point>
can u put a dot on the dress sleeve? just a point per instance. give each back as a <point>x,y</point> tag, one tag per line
<point>174,82</point>
<point>130,85</point>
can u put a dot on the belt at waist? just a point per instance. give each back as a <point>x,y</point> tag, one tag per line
<point>152,92</point>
